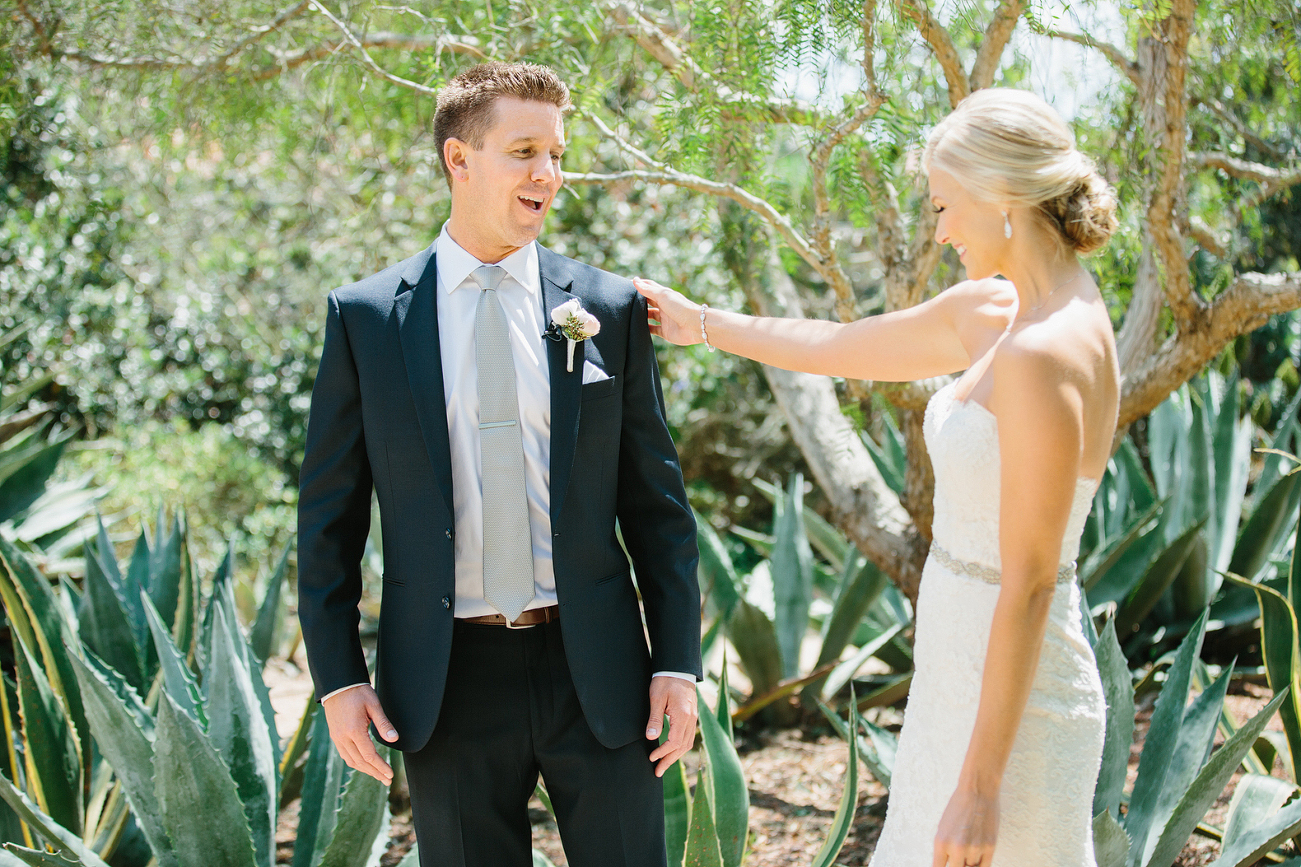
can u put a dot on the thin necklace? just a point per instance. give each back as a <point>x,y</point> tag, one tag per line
<point>1035,309</point>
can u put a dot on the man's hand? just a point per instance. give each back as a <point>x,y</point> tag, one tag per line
<point>675,698</point>
<point>349,714</point>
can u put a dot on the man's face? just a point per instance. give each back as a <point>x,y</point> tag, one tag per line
<point>501,193</point>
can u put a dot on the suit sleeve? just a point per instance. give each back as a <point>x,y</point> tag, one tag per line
<point>333,517</point>
<point>657,524</point>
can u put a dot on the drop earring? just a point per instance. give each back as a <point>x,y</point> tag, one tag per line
<point>1007,226</point>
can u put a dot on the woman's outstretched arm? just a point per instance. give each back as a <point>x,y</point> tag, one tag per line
<point>939,336</point>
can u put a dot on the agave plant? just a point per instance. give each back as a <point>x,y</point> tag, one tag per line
<point>43,515</point>
<point>1179,777</point>
<point>1156,547</point>
<point>141,709</point>
<point>767,613</point>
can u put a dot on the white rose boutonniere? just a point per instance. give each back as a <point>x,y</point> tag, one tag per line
<point>576,324</point>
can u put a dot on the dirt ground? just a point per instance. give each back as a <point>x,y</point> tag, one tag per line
<point>796,780</point>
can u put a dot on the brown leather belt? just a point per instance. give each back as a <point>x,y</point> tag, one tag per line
<point>532,617</point>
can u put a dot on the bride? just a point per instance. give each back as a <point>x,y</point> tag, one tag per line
<point>1003,733</point>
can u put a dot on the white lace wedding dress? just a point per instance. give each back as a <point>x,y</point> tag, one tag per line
<point>1046,800</point>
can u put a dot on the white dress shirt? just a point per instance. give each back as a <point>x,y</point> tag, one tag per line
<point>520,294</point>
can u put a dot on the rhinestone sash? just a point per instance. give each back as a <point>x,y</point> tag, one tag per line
<point>981,572</point>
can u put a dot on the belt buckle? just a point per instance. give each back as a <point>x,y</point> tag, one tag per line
<point>510,625</point>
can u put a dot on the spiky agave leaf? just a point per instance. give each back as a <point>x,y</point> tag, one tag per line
<point>192,783</point>
<point>124,732</point>
<point>239,733</point>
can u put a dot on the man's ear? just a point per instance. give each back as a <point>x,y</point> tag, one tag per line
<point>456,155</point>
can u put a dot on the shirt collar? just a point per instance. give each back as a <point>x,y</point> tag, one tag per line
<point>455,264</point>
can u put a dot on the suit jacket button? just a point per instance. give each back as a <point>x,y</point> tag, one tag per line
<point>447,602</point>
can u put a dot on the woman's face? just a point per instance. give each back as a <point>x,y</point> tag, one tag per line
<point>972,227</point>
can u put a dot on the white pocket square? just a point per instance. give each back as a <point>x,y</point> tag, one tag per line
<point>592,373</point>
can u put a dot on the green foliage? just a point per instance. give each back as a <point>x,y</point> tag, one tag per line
<point>766,617</point>
<point>1179,777</point>
<point>185,730</point>
<point>1157,546</point>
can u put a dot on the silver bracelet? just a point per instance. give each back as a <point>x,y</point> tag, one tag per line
<point>703,335</point>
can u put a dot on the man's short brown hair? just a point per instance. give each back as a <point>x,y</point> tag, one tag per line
<point>465,105</point>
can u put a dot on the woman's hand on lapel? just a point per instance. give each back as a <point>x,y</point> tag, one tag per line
<point>672,315</point>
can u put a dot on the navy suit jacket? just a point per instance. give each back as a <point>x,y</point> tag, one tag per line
<point>378,422</point>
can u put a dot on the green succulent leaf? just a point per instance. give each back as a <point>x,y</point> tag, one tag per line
<point>263,636</point>
<point>166,566</point>
<point>37,617</point>
<point>106,625</point>
<point>702,837</point>
<point>124,733</point>
<point>731,796</point>
<point>322,780</point>
<point>51,831</point>
<point>1256,798</point>
<point>1110,842</point>
<point>1261,533</point>
<point>1118,688</point>
<point>755,640</point>
<point>677,813</point>
<point>52,753</point>
<point>1160,575</point>
<point>361,821</point>
<point>1249,844</point>
<point>19,855</point>
<point>192,781</point>
<point>1158,749</point>
<point>1207,786</point>
<point>792,576</point>
<point>178,680</point>
<point>239,733</point>
<point>1196,735</point>
<point>844,818</point>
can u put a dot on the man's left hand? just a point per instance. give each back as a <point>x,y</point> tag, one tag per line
<point>675,698</point>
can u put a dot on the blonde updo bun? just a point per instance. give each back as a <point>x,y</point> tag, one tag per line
<point>1010,146</point>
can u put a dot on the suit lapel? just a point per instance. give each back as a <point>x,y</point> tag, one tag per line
<point>566,386</point>
<point>416,309</point>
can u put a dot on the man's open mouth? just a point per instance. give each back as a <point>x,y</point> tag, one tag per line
<point>531,202</point>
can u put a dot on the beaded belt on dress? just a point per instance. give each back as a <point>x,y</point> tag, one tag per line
<point>988,574</point>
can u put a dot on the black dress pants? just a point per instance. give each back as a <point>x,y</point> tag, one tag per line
<point>509,712</point>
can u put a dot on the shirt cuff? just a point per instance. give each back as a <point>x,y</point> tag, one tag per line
<point>680,675</point>
<point>342,689</point>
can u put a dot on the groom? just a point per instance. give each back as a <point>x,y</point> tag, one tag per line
<point>502,451</point>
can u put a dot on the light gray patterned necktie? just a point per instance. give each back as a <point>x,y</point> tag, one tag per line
<point>507,542</point>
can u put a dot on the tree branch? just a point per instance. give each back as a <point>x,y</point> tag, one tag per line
<point>997,35</point>
<point>1117,57</point>
<point>942,46</point>
<point>821,238</point>
<point>366,59</point>
<point>660,45</point>
<point>1246,305</point>
<point>287,60</point>
<point>1218,108</point>
<point>1204,235</point>
<point>779,221</point>
<point>1175,31</point>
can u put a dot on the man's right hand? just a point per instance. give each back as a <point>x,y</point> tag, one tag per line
<point>349,715</point>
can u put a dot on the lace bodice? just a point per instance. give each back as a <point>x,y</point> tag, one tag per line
<point>962,437</point>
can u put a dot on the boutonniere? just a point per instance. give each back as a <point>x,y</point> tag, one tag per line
<point>572,322</point>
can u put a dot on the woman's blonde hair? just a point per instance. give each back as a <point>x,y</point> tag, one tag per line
<point>1009,146</point>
